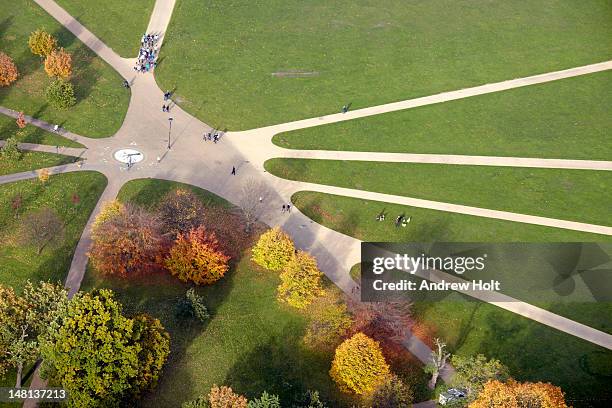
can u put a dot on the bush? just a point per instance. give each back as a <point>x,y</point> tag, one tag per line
<point>60,94</point>
<point>273,250</point>
<point>300,281</point>
<point>41,43</point>
<point>10,151</point>
<point>359,366</point>
<point>225,397</point>
<point>192,306</point>
<point>196,258</point>
<point>8,70</point>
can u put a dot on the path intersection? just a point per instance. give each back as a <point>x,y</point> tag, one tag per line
<point>207,165</point>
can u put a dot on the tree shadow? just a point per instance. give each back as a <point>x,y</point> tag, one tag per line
<point>85,75</point>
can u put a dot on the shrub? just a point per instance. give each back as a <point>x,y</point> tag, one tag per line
<point>59,64</point>
<point>10,151</point>
<point>393,393</point>
<point>359,366</point>
<point>273,250</point>
<point>60,94</point>
<point>300,281</point>
<point>21,122</point>
<point>41,43</point>
<point>43,175</point>
<point>225,397</point>
<point>512,394</point>
<point>8,70</point>
<point>196,258</point>
<point>155,342</point>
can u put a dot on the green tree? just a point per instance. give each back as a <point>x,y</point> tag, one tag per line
<point>471,373</point>
<point>10,151</point>
<point>312,400</point>
<point>95,352</point>
<point>265,401</point>
<point>24,320</point>
<point>192,306</point>
<point>200,402</point>
<point>41,43</point>
<point>393,393</point>
<point>273,249</point>
<point>300,281</point>
<point>60,94</point>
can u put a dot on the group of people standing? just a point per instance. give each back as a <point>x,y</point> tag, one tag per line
<point>148,53</point>
<point>214,135</point>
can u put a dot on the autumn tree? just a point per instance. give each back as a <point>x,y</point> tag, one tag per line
<point>24,319</point>
<point>300,281</point>
<point>273,250</point>
<point>512,394</point>
<point>265,401</point>
<point>8,70</point>
<point>10,151</point>
<point>359,366</point>
<point>41,43</point>
<point>126,243</point>
<point>60,94</point>
<point>195,257</point>
<point>329,322</point>
<point>59,64</point>
<point>100,356</point>
<point>42,228</point>
<point>180,211</point>
<point>392,393</point>
<point>21,122</point>
<point>471,373</point>
<point>16,204</point>
<point>43,176</point>
<point>225,397</point>
<point>110,209</point>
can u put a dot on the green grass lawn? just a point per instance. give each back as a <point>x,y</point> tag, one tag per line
<point>532,351</point>
<point>118,23</point>
<point>33,161</point>
<point>282,60</point>
<point>101,100</point>
<point>357,218</point>
<point>33,134</point>
<point>251,343</point>
<point>577,195</point>
<point>562,119</point>
<point>20,262</point>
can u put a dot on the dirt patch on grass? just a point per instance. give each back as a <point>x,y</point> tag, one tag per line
<point>295,73</point>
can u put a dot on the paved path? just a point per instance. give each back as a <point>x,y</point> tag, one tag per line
<point>504,161</point>
<point>208,165</point>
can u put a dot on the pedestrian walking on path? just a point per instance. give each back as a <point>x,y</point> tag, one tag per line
<point>233,170</point>
<point>283,210</point>
<point>288,207</point>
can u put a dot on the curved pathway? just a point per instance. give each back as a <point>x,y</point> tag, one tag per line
<point>208,165</point>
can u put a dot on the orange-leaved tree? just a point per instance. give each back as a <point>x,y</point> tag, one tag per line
<point>359,365</point>
<point>127,242</point>
<point>41,43</point>
<point>21,122</point>
<point>273,249</point>
<point>8,70</point>
<point>512,394</point>
<point>300,281</point>
<point>225,397</point>
<point>195,257</point>
<point>59,64</point>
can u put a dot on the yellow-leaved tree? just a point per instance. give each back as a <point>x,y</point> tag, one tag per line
<point>359,366</point>
<point>273,250</point>
<point>109,210</point>
<point>513,394</point>
<point>300,281</point>
<point>41,43</point>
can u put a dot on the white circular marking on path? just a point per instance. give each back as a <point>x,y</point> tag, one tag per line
<point>128,156</point>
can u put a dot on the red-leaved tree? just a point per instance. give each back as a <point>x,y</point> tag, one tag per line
<point>128,242</point>
<point>195,257</point>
